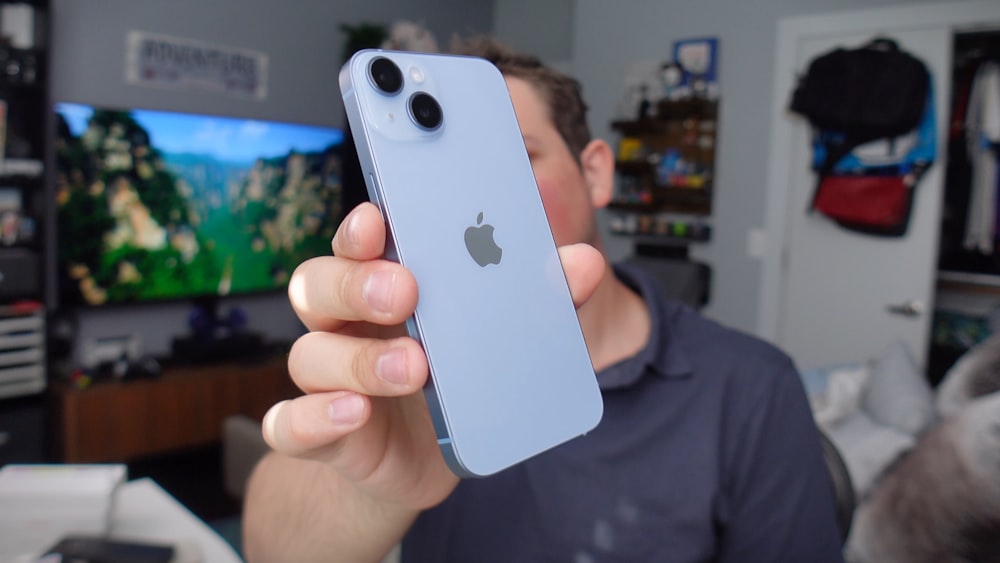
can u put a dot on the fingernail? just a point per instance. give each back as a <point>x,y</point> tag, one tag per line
<point>378,291</point>
<point>351,231</point>
<point>391,366</point>
<point>346,409</point>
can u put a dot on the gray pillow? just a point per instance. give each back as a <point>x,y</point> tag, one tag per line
<point>897,393</point>
<point>868,448</point>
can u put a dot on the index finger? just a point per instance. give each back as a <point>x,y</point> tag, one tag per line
<point>328,291</point>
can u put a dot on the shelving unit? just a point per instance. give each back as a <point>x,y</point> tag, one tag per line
<point>24,137</point>
<point>665,166</point>
<point>24,103</point>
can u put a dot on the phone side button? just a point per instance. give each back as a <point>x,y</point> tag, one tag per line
<point>411,329</point>
<point>437,415</point>
<point>374,194</point>
<point>373,191</point>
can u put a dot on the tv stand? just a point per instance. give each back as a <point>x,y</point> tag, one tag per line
<point>215,337</point>
<point>114,421</point>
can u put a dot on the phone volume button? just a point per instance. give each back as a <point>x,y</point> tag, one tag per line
<point>411,329</point>
<point>437,414</point>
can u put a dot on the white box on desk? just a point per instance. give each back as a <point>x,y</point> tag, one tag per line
<point>41,483</point>
<point>40,503</point>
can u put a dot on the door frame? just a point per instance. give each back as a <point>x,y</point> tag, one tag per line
<point>959,16</point>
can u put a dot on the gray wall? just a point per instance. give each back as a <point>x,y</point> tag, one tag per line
<point>544,29</point>
<point>606,36</point>
<point>303,42</point>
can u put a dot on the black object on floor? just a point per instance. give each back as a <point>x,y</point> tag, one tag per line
<point>194,477</point>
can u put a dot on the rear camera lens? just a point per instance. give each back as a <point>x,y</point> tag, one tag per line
<point>385,75</point>
<point>425,111</point>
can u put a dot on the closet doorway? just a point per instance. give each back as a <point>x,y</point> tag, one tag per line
<point>831,296</point>
<point>968,304</point>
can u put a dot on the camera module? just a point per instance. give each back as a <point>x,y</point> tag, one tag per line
<point>385,75</point>
<point>425,111</point>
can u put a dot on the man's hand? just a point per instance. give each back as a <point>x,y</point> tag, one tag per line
<point>363,413</point>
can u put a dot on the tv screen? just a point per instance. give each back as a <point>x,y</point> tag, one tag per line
<point>156,205</point>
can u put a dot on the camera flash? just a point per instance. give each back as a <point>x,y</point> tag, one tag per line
<point>416,74</point>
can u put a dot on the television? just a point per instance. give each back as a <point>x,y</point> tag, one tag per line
<point>158,205</point>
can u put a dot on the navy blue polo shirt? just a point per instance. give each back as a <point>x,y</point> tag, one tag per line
<point>707,451</point>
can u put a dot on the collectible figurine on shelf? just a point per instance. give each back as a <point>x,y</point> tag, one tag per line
<point>672,78</point>
<point>645,105</point>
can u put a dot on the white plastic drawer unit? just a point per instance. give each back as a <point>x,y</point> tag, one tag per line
<point>22,352</point>
<point>33,355</point>
<point>20,340</point>
<point>19,325</point>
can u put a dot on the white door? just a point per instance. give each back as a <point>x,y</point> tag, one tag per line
<point>847,295</point>
<point>830,295</point>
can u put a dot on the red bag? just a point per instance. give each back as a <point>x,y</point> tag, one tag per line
<point>878,205</point>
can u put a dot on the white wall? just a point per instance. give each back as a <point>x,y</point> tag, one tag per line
<point>607,36</point>
<point>304,43</point>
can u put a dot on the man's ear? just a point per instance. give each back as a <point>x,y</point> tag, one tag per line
<point>597,161</point>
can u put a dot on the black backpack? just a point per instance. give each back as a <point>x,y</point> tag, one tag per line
<point>871,92</point>
<point>852,96</point>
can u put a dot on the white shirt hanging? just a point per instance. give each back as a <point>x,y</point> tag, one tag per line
<point>982,126</point>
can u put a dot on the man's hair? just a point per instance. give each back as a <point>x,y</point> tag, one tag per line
<point>561,93</point>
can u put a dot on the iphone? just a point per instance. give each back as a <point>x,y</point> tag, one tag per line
<point>444,161</point>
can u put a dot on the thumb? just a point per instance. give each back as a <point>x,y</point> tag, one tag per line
<point>584,267</point>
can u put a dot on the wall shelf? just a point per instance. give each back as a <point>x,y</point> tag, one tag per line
<point>666,162</point>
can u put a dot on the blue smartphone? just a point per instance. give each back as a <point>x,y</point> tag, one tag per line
<point>444,161</point>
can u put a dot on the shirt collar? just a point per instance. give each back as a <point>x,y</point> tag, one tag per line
<point>662,356</point>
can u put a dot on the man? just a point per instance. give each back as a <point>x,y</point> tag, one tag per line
<point>707,449</point>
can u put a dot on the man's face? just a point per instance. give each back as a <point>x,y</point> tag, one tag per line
<point>560,180</point>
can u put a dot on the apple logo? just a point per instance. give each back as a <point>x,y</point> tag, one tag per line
<point>482,247</point>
